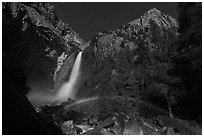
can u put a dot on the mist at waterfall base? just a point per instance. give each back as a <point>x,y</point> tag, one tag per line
<point>39,95</point>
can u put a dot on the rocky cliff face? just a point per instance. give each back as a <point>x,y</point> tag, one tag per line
<point>129,62</point>
<point>132,74</point>
<point>34,38</point>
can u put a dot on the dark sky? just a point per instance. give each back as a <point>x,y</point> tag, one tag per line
<point>87,19</point>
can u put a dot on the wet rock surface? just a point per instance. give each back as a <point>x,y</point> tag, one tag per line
<point>74,122</point>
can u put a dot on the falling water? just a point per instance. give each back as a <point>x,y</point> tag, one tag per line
<point>67,90</point>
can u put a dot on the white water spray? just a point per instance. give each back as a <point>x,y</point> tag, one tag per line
<point>67,90</point>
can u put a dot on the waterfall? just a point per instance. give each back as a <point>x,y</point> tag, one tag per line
<point>67,89</point>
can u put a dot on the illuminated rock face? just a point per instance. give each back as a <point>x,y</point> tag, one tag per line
<point>130,61</point>
<point>40,41</point>
<point>35,39</point>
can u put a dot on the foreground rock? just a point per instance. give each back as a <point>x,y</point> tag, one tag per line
<point>74,122</point>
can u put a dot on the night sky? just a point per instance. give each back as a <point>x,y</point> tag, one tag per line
<point>87,19</point>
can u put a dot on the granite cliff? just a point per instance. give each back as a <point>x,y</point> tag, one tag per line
<point>37,38</point>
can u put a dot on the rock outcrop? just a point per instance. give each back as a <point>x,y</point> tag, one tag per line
<point>33,37</point>
<point>129,62</point>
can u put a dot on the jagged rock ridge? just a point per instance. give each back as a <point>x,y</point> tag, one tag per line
<point>38,35</point>
<point>133,58</point>
<point>161,19</point>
